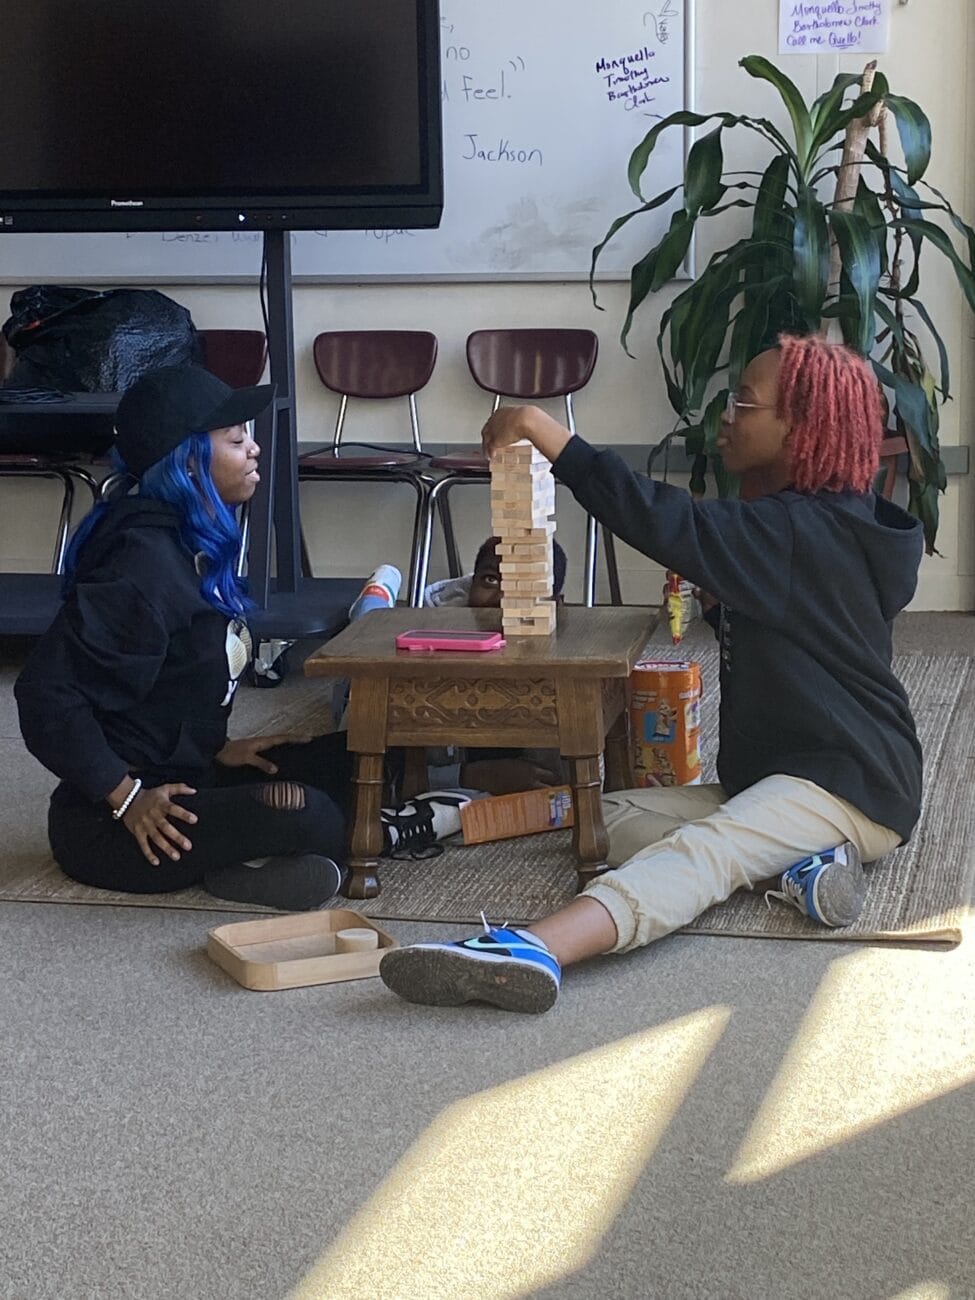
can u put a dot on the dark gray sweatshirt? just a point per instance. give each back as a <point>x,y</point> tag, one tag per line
<point>809,587</point>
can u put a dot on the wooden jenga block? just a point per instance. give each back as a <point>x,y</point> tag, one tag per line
<point>524,552</point>
<point>519,568</point>
<point>518,453</point>
<point>537,620</point>
<point>535,533</point>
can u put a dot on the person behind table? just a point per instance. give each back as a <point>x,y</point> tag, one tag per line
<point>819,762</point>
<point>127,697</point>
<point>500,770</point>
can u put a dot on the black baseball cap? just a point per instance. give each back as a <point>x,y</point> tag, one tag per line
<point>167,405</point>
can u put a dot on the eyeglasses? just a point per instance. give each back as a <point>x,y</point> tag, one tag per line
<point>733,404</point>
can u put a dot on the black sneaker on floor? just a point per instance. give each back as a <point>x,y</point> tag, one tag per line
<point>415,829</point>
<point>298,882</point>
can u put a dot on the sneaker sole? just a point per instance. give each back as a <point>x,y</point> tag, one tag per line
<point>841,890</point>
<point>302,882</point>
<point>440,977</point>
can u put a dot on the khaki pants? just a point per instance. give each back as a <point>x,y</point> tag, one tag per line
<point>677,850</point>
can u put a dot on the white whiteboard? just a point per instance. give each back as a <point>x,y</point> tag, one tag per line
<point>542,103</point>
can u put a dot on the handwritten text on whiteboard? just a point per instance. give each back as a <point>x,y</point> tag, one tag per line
<point>823,26</point>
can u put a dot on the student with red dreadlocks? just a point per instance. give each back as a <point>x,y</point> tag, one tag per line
<point>819,762</point>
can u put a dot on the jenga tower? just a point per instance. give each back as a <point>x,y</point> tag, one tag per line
<point>522,505</point>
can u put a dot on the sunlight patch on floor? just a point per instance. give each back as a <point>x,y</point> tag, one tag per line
<point>513,1188</point>
<point>887,1030</point>
<point>925,1291</point>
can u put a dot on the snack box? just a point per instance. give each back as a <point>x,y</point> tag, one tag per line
<point>665,722</point>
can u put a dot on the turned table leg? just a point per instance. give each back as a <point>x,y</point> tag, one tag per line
<point>581,732</point>
<point>367,740</point>
<point>367,834</point>
<point>589,837</point>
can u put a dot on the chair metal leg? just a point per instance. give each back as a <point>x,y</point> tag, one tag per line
<point>64,521</point>
<point>422,488</point>
<point>612,569</point>
<point>454,565</point>
<point>589,564</point>
<point>424,543</point>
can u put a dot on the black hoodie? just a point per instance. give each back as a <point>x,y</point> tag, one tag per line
<point>809,586</point>
<point>132,675</point>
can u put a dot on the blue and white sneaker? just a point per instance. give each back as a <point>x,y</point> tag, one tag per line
<point>509,968</point>
<point>828,887</point>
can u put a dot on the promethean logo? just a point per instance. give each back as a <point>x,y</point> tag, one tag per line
<point>126,203</point>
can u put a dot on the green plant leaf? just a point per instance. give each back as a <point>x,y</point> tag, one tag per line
<point>935,235</point>
<point>866,204</point>
<point>914,130</point>
<point>749,334</point>
<point>658,266</point>
<point>923,504</point>
<point>922,311</point>
<point>860,263</point>
<point>702,173</point>
<point>641,154</point>
<point>810,251</point>
<point>842,117</point>
<point>756,66</point>
<point>618,224</point>
<point>699,484</point>
<point>913,408</point>
<point>831,101</point>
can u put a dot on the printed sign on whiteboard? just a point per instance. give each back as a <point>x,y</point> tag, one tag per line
<point>837,26</point>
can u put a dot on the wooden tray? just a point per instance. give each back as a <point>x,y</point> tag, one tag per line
<point>290,952</point>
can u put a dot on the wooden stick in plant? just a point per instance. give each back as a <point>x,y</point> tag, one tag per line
<point>848,173</point>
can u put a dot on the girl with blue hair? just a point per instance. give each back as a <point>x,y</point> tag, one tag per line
<point>126,698</point>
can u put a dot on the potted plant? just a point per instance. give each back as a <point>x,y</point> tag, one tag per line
<point>849,262</point>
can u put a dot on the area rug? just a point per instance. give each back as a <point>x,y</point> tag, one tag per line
<point>919,893</point>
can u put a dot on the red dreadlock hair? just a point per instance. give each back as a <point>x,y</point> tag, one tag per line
<point>831,400</point>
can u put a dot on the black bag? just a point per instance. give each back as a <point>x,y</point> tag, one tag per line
<point>73,340</point>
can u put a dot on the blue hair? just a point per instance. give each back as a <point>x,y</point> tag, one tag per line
<point>207,525</point>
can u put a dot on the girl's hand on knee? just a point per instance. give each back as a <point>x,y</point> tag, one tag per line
<point>249,751</point>
<point>148,819</point>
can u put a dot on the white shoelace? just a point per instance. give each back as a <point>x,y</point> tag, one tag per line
<point>791,892</point>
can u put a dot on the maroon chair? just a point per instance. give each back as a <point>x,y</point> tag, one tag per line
<point>375,365</point>
<point>30,463</point>
<point>238,357</point>
<point>891,449</point>
<point>531,365</point>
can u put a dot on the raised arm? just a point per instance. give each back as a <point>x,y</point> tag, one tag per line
<point>740,552</point>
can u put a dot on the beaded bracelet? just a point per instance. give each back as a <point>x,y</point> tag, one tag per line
<point>119,812</point>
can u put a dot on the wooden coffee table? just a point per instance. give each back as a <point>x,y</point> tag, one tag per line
<point>566,691</point>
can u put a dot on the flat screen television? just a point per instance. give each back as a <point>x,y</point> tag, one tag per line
<point>135,115</point>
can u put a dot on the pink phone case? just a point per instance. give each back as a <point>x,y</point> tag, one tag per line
<point>444,639</point>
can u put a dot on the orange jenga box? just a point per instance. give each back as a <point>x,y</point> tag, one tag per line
<point>507,815</point>
<point>665,722</point>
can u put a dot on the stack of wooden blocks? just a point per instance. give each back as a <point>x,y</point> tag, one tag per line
<point>522,506</point>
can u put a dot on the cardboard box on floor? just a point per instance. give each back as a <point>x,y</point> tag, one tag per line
<point>506,816</point>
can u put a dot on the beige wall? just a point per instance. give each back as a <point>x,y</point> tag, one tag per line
<point>350,529</point>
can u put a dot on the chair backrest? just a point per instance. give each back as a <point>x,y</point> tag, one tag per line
<point>375,363</point>
<point>532,364</point>
<point>238,357</point>
<point>892,447</point>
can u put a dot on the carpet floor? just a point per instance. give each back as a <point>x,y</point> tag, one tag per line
<point>917,893</point>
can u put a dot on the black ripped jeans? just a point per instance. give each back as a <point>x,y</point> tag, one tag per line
<point>243,814</point>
